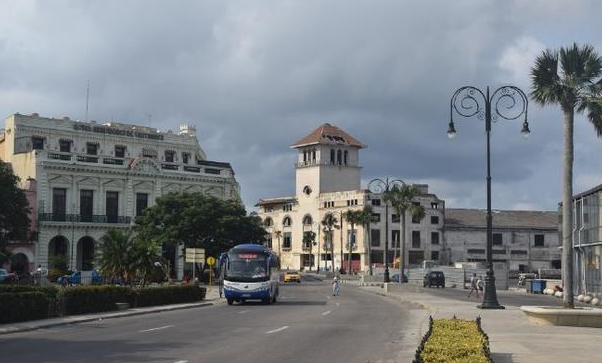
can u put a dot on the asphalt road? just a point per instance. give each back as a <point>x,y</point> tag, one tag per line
<point>306,325</point>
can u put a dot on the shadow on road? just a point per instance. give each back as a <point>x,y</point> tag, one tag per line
<point>16,350</point>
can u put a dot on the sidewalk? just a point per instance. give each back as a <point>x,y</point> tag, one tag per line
<point>513,337</point>
<point>211,298</point>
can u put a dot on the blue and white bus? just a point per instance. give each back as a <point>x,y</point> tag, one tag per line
<point>249,272</point>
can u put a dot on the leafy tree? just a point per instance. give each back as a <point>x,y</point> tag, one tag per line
<point>14,214</point>
<point>354,217</point>
<point>402,201</point>
<point>199,220</point>
<point>571,79</point>
<point>309,238</point>
<point>330,222</point>
<point>366,220</point>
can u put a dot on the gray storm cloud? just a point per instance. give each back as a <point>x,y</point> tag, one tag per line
<point>256,76</point>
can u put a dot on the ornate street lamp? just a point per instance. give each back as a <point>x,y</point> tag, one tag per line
<point>508,103</point>
<point>379,186</point>
<point>316,225</point>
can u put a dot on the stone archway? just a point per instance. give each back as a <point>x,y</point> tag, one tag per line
<point>58,253</point>
<point>85,253</point>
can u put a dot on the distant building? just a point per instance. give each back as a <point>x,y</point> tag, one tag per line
<point>524,240</point>
<point>92,177</point>
<point>587,241</point>
<point>328,175</point>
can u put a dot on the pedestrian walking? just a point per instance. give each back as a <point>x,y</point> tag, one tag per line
<point>480,285</point>
<point>336,285</point>
<point>474,285</point>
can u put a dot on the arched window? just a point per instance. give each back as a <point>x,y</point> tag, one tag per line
<point>307,221</point>
<point>332,156</point>
<point>307,190</point>
<point>345,157</point>
<point>339,157</point>
<point>287,221</point>
<point>268,222</point>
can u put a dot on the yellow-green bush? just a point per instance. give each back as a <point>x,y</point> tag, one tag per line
<point>457,341</point>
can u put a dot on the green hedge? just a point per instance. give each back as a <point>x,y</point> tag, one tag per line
<point>164,295</point>
<point>93,299</point>
<point>22,306</point>
<point>20,303</point>
<point>455,341</point>
<point>50,292</point>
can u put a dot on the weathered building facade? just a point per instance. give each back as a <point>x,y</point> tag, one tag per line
<point>92,177</point>
<point>524,240</point>
<point>328,182</point>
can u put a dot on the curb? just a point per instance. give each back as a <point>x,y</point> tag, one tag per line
<point>75,320</point>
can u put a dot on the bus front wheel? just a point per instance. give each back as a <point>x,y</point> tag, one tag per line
<point>230,301</point>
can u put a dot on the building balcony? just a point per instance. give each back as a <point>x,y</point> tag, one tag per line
<point>79,218</point>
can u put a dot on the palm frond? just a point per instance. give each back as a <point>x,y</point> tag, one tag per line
<point>545,81</point>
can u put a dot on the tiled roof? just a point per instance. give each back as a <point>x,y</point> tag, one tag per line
<point>501,218</point>
<point>328,134</point>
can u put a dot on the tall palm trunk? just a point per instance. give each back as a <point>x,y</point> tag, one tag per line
<point>402,265</point>
<point>351,239</point>
<point>369,248</point>
<point>567,210</point>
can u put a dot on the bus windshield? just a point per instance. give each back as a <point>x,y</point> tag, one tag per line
<point>247,267</point>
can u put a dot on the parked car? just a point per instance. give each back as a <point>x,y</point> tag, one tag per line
<point>76,278</point>
<point>292,276</point>
<point>395,278</point>
<point>7,277</point>
<point>434,278</point>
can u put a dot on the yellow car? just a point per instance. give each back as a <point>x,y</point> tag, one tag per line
<point>292,276</point>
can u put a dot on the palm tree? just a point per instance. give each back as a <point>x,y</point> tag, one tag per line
<point>353,217</point>
<point>570,78</point>
<point>402,201</point>
<point>330,222</point>
<point>366,219</point>
<point>145,255</point>
<point>309,239</point>
<point>114,254</point>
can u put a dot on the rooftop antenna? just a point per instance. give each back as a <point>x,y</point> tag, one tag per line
<point>87,100</point>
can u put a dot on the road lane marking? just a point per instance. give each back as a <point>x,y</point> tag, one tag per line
<point>181,361</point>
<point>338,304</point>
<point>159,328</point>
<point>244,311</point>
<point>326,312</point>
<point>277,330</point>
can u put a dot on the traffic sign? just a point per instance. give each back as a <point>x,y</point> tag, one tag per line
<point>195,255</point>
<point>210,261</point>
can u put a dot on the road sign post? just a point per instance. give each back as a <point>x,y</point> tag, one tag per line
<point>194,255</point>
<point>210,261</point>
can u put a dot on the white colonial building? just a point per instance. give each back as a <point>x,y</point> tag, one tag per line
<point>92,177</point>
<point>328,182</point>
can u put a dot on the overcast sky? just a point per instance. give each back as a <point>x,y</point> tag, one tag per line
<point>256,76</point>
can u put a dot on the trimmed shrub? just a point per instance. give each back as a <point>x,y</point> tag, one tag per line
<point>457,341</point>
<point>92,299</point>
<point>50,292</point>
<point>163,295</point>
<point>22,306</point>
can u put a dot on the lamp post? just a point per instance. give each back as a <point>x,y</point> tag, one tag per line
<point>508,103</point>
<point>379,186</point>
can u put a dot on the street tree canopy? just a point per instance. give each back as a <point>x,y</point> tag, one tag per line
<point>199,220</point>
<point>14,214</point>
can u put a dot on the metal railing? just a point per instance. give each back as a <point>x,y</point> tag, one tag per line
<point>76,218</point>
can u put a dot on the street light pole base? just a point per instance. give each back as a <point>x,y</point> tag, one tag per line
<point>386,276</point>
<point>490,306</point>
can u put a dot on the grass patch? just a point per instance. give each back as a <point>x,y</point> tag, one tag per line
<point>455,341</point>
